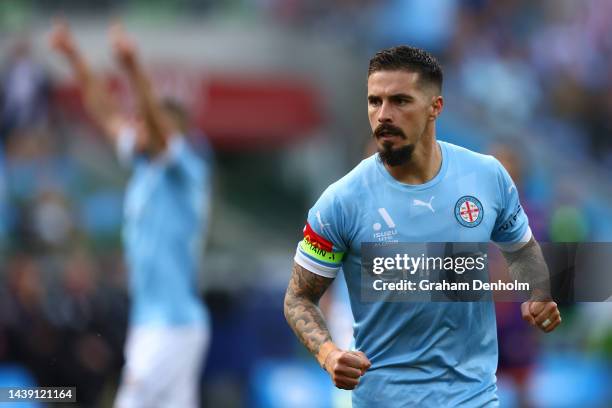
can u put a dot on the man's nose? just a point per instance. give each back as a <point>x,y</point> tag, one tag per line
<point>384,114</point>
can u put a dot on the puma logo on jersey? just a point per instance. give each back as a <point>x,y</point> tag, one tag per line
<point>321,224</point>
<point>416,202</point>
<point>320,221</point>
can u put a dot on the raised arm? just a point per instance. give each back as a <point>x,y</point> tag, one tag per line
<point>528,265</point>
<point>305,318</point>
<point>159,127</point>
<point>96,97</point>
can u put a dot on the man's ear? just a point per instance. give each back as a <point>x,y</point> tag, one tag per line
<point>437,104</point>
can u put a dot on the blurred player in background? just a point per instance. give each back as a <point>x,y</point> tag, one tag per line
<point>415,189</point>
<point>165,217</point>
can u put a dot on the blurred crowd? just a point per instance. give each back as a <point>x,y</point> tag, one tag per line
<point>63,310</point>
<point>530,82</point>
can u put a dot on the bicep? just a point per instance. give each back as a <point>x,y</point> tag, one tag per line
<point>511,225</point>
<point>307,284</point>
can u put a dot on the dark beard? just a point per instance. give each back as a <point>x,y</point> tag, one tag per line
<point>389,155</point>
<point>395,157</point>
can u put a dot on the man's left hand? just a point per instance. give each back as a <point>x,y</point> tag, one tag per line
<point>123,46</point>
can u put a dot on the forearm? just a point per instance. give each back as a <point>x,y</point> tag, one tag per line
<point>307,322</point>
<point>528,265</point>
<point>149,105</point>
<point>303,313</point>
<point>97,99</point>
<point>80,68</point>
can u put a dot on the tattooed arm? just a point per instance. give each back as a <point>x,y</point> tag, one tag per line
<point>305,318</point>
<point>528,265</point>
<point>302,308</point>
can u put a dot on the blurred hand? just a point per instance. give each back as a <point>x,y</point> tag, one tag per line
<point>123,46</point>
<point>61,39</point>
<point>544,315</point>
<point>346,367</point>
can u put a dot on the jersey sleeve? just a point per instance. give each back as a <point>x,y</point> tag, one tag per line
<point>182,161</point>
<point>125,145</point>
<point>179,155</point>
<point>511,231</point>
<point>322,249</point>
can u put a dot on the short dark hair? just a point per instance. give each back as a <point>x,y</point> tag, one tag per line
<point>410,59</point>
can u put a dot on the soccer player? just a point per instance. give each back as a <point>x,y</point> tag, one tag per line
<point>414,189</point>
<point>165,216</point>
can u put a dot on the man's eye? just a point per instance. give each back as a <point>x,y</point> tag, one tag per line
<point>374,102</point>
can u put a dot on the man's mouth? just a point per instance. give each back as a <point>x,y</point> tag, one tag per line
<point>388,136</point>
<point>389,133</point>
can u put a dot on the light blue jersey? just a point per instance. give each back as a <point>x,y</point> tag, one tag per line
<point>422,354</point>
<point>166,209</point>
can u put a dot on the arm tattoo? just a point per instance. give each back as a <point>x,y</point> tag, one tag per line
<point>301,308</point>
<point>528,265</point>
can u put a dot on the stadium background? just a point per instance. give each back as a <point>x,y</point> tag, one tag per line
<point>279,88</point>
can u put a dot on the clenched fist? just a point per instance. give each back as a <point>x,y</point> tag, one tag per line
<point>346,367</point>
<point>544,315</point>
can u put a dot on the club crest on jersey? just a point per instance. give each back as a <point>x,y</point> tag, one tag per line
<point>468,211</point>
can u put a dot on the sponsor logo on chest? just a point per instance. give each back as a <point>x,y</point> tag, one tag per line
<point>389,232</point>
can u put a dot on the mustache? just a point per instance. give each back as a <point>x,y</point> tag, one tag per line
<point>386,128</point>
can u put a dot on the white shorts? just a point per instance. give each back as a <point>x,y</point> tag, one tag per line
<point>163,367</point>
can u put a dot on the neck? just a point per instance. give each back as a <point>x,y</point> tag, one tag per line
<point>424,164</point>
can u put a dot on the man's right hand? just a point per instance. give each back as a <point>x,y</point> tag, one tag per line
<point>346,367</point>
<point>61,39</point>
